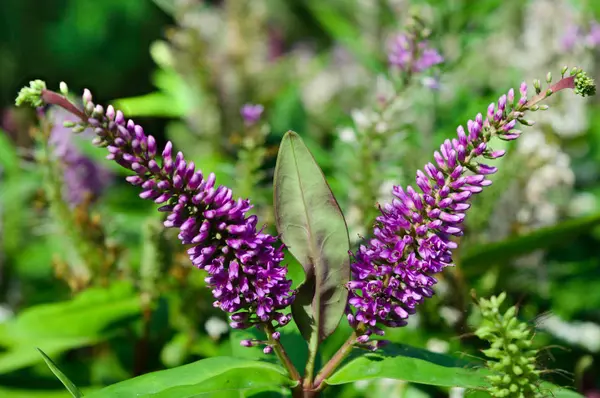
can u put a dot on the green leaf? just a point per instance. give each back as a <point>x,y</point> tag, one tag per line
<point>312,226</point>
<point>212,376</point>
<point>154,104</point>
<point>22,393</point>
<point>403,362</point>
<point>346,32</point>
<point>550,390</point>
<point>500,252</point>
<point>411,364</point>
<point>72,388</point>
<point>92,316</point>
<point>9,159</point>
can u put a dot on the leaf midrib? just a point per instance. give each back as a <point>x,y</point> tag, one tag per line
<point>316,298</point>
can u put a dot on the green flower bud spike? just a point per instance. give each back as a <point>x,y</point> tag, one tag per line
<point>510,354</point>
<point>32,94</point>
<point>584,85</point>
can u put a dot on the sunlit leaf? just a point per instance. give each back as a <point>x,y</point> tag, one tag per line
<point>501,252</point>
<point>407,363</point>
<point>92,316</point>
<point>208,377</point>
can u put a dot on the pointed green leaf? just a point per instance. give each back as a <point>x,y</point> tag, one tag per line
<point>312,226</point>
<point>72,388</point>
<point>92,316</point>
<point>403,362</point>
<point>407,363</point>
<point>500,252</point>
<point>207,377</point>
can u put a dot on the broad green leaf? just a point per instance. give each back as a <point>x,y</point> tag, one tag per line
<point>207,377</point>
<point>92,316</point>
<point>154,104</point>
<point>312,226</point>
<point>411,364</point>
<point>499,252</point>
<point>89,314</point>
<point>22,393</point>
<point>402,362</point>
<point>9,159</point>
<point>72,388</point>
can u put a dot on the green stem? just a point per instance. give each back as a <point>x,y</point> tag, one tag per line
<point>309,370</point>
<point>61,211</point>
<point>334,362</point>
<point>281,354</point>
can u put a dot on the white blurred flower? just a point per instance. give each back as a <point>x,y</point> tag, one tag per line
<point>385,191</point>
<point>584,334</point>
<point>216,327</point>
<point>5,313</point>
<point>347,134</point>
<point>450,315</point>
<point>456,392</point>
<point>437,345</point>
<point>363,119</point>
<point>583,203</point>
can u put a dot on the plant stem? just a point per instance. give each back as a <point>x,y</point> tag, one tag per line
<point>335,361</point>
<point>309,370</point>
<point>281,354</point>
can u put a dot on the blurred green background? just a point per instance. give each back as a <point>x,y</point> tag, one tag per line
<point>101,288</point>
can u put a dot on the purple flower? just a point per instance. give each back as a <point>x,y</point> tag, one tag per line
<point>82,177</point>
<point>407,54</point>
<point>392,273</point>
<point>570,37</point>
<point>593,37</point>
<point>243,263</point>
<point>251,113</point>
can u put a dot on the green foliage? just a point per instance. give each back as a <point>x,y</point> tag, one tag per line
<point>311,224</point>
<point>72,388</point>
<point>208,377</point>
<point>87,319</point>
<point>411,364</point>
<point>503,251</point>
<point>185,68</point>
<point>511,354</point>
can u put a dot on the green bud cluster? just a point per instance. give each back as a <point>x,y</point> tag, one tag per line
<point>584,85</point>
<point>32,94</point>
<point>511,355</point>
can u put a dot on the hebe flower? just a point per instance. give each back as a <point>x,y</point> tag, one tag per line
<point>510,353</point>
<point>251,113</point>
<point>412,238</point>
<point>243,262</point>
<point>408,53</point>
<point>82,176</point>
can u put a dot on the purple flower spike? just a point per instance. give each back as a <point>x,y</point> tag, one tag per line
<point>243,263</point>
<point>412,241</point>
<point>408,55</point>
<point>251,113</point>
<point>82,177</point>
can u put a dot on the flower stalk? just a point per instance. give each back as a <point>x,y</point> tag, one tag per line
<point>414,235</point>
<point>243,263</point>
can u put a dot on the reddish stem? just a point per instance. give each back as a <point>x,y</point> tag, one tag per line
<point>567,82</point>
<point>50,97</point>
